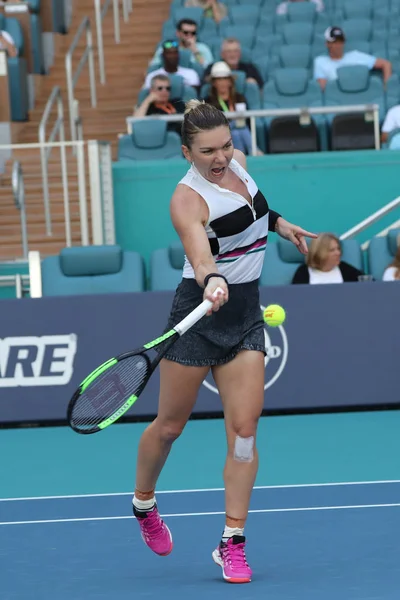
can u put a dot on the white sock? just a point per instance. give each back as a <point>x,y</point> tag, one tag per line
<point>230,532</point>
<point>144,504</point>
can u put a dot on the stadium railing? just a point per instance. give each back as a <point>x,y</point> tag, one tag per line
<point>371,112</point>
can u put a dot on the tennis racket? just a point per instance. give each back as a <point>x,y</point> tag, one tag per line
<point>111,389</point>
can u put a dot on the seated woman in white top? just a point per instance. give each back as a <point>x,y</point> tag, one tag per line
<point>392,272</point>
<point>324,263</point>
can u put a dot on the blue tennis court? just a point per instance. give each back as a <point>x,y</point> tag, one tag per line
<point>320,527</point>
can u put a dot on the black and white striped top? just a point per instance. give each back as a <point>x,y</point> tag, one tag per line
<point>237,231</point>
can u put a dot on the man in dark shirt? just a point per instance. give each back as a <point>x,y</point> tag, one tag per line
<point>158,102</point>
<point>231,53</point>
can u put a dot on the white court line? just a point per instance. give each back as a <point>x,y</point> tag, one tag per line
<point>201,490</point>
<point>205,514</point>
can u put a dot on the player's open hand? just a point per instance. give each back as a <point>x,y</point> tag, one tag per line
<point>294,234</point>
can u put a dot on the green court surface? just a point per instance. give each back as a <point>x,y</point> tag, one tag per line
<point>327,448</point>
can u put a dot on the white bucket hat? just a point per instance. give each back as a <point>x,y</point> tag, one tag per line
<point>220,69</point>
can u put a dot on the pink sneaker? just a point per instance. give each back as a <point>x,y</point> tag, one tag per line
<point>154,531</point>
<point>232,558</point>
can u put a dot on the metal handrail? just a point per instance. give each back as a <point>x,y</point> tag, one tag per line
<point>18,188</point>
<point>100,13</point>
<point>45,152</point>
<point>21,282</point>
<point>304,114</point>
<point>376,216</point>
<point>72,79</point>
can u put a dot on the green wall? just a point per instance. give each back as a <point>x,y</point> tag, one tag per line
<point>329,191</point>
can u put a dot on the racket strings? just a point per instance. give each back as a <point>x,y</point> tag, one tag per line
<point>109,392</point>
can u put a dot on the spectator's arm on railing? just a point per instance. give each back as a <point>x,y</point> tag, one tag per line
<point>385,66</point>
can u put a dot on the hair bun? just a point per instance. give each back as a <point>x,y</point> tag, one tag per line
<point>192,105</point>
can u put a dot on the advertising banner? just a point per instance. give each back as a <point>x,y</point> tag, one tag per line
<point>339,346</point>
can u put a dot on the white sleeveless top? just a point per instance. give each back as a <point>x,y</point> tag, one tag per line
<point>236,230</point>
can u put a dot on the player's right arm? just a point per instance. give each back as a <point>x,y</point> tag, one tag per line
<point>189,214</point>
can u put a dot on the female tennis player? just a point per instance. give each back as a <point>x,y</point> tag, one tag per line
<point>223,220</point>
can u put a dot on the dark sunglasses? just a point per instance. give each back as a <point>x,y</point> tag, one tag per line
<point>160,88</point>
<point>169,45</point>
<point>186,32</point>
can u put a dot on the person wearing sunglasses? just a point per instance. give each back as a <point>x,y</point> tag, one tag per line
<point>158,102</point>
<point>171,66</point>
<point>186,34</point>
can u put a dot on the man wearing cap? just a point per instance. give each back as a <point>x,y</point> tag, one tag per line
<point>170,58</point>
<point>325,67</point>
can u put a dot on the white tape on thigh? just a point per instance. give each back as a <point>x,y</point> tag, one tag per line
<point>243,451</point>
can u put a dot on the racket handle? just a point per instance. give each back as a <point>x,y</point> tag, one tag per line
<point>196,314</point>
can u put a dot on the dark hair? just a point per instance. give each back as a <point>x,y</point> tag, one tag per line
<point>200,116</point>
<point>187,22</point>
<point>214,94</point>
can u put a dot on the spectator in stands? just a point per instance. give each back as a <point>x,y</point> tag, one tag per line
<point>212,8</point>
<point>231,53</point>
<point>392,272</point>
<point>391,122</point>
<point>325,67</point>
<point>324,263</point>
<point>7,43</point>
<point>170,57</point>
<point>186,32</point>
<point>224,96</point>
<point>282,8</point>
<point>158,102</point>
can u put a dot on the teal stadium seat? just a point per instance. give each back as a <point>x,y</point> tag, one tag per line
<point>366,9</point>
<point>166,266</point>
<point>267,45</point>
<point>302,12</point>
<point>298,33</point>
<point>361,30</point>
<point>381,252</point>
<point>149,140</point>
<point>260,3</point>
<point>244,15</point>
<point>266,24</point>
<point>37,36</point>
<point>295,55</point>
<point>59,21</point>
<point>92,270</point>
<point>245,34</point>
<point>292,88</point>
<point>282,259</point>
<point>168,31</point>
<point>189,12</point>
<point>17,71</point>
<point>354,85</point>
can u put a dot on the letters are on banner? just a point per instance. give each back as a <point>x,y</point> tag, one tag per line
<point>330,352</point>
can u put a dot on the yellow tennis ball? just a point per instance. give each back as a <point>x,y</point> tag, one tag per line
<point>274,315</point>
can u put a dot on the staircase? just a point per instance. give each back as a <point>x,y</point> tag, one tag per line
<point>125,65</point>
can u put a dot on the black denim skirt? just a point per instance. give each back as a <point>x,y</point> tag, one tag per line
<point>217,339</point>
